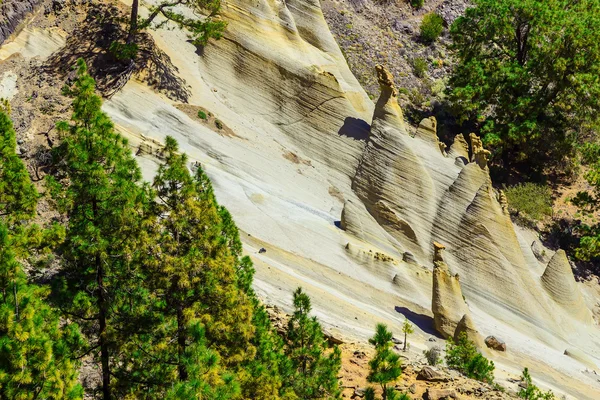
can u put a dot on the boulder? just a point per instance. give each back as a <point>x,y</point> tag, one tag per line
<point>467,326</point>
<point>430,374</point>
<point>495,344</point>
<point>440,394</point>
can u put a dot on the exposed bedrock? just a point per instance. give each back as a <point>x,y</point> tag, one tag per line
<point>447,302</point>
<point>419,193</point>
<point>279,62</point>
<point>12,13</point>
<point>391,180</point>
<point>559,282</point>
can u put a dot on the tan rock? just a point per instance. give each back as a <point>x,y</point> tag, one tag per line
<point>459,148</point>
<point>479,155</point>
<point>494,343</point>
<point>430,374</point>
<point>440,394</point>
<point>466,325</point>
<point>447,305</point>
<point>559,282</point>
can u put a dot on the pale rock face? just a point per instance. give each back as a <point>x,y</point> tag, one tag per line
<point>447,303</point>
<point>559,282</point>
<point>280,82</point>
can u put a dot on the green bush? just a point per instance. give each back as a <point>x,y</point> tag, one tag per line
<point>417,3</point>
<point>433,355</point>
<point>532,392</point>
<point>123,51</point>
<point>530,201</point>
<point>420,67</point>
<point>464,357</point>
<point>202,115</point>
<point>432,27</point>
<point>218,124</point>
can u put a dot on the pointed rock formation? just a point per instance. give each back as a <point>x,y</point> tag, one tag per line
<point>447,303</point>
<point>559,282</point>
<point>467,326</point>
<point>459,148</point>
<point>387,107</point>
<point>391,175</point>
<point>479,154</point>
<point>427,131</point>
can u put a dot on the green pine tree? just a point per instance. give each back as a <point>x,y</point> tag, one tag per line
<point>386,366</point>
<point>407,329</point>
<point>194,299</point>
<point>97,187</point>
<point>35,348</point>
<point>314,373</point>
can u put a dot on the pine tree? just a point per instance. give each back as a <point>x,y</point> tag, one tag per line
<point>407,329</point>
<point>35,349</point>
<point>262,376</point>
<point>18,197</point>
<point>386,366</point>
<point>198,310</point>
<point>97,188</point>
<point>314,373</point>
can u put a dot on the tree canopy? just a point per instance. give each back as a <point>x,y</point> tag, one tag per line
<point>528,77</point>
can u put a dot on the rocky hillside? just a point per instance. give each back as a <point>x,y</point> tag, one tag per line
<point>388,32</point>
<point>331,191</point>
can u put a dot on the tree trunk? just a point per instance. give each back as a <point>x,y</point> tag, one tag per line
<point>133,26</point>
<point>181,343</point>
<point>405,334</point>
<point>104,355</point>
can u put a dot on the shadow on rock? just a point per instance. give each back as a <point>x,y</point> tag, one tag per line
<point>92,41</point>
<point>424,322</point>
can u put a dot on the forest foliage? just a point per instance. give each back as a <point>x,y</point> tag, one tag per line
<point>151,287</point>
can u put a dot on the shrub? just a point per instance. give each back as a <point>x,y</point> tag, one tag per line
<point>432,27</point>
<point>202,115</point>
<point>530,201</point>
<point>218,124</point>
<point>420,67</point>
<point>123,51</point>
<point>532,392</point>
<point>417,3</point>
<point>433,355</point>
<point>464,357</point>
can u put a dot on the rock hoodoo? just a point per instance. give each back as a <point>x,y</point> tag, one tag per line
<point>479,154</point>
<point>447,304</point>
<point>391,175</point>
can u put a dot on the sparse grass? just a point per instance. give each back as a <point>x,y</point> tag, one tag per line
<point>530,202</point>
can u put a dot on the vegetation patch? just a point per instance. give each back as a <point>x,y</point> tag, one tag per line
<point>530,202</point>
<point>432,27</point>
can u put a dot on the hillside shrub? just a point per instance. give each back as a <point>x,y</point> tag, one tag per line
<point>432,27</point>
<point>433,355</point>
<point>202,115</point>
<point>417,3</point>
<point>530,202</point>
<point>420,67</point>
<point>218,124</point>
<point>532,392</point>
<point>464,357</point>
